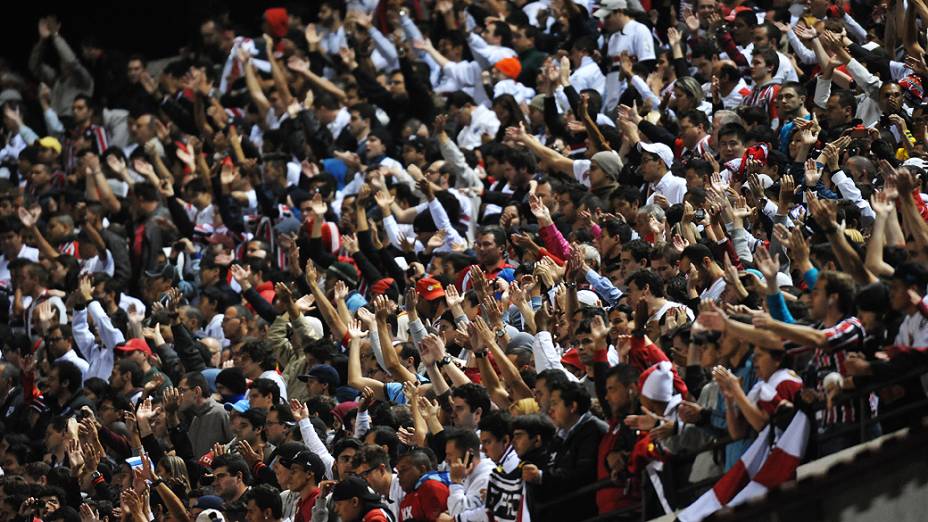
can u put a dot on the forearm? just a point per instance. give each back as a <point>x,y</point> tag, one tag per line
<point>328,312</point>
<point>510,373</point>
<point>754,335</point>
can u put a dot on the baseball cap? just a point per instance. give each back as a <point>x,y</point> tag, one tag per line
<point>354,487</point>
<point>51,142</point>
<point>607,7</point>
<point>134,345</point>
<point>734,12</point>
<point>239,406</point>
<point>323,373</point>
<point>429,289</point>
<point>309,461</point>
<point>345,272</point>
<point>211,515</point>
<point>609,161</point>
<point>658,149</point>
<point>165,271</point>
<point>209,502</point>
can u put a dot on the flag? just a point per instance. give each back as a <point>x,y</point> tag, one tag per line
<point>760,468</point>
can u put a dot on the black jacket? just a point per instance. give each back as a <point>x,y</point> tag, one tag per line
<point>571,465</point>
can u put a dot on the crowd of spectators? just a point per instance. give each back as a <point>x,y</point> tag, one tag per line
<point>470,260</point>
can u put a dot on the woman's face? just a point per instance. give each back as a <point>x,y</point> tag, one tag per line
<point>502,113</point>
<point>794,144</point>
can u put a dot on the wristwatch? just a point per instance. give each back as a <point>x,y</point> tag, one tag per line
<point>481,355</point>
<point>444,361</point>
<point>500,332</point>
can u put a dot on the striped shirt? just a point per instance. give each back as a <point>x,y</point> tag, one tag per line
<point>765,97</point>
<point>843,338</point>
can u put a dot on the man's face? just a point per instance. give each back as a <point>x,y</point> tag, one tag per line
<point>619,323</point>
<point>116,379</point>
<point>231,324</point>
<point>890,98</point>
<point>39,175</point>
<point>522,443</point>
<point>542,395</point>
<point>274,429</point>
<point>898,295</point>
<point>188,397</point>
<point>10,465</point>
<point>349,509</point>
<point>488,251</point>
<point>652,167</point>
<point>11,243</point>
<point>662,267</point>
<point>617,395</point>
<point>299,477</point>
<point>374,147</point>
<point>244,430</point>
<point>493,447</point>
<point>226,483</point>
<point>343,462</point>
<point>209,34</point>
<point>758,68</point>
<point>81,111</point>
<point>396,84</point>
<point>629,263</point>
<point>705,8</point>
<point>560,412</point>
<point>521,42</point>
<point>281,473</point>
<point>789,101</point>
<point>408,474</point>
<point>546,193</point>
<point>730,147</point>
<point>253,513</point>
<point>835,114</point>
<point>820,301</point>
<point>462,416</point>
<point>357,125</point>
<point>134,71</point>
<point>53,438</point>
<point>761,38</point>
<point>741,31</point>
<point>690,132</point>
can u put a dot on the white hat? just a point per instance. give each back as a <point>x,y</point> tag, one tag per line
<point>660,149</point>
<point>211,515</point>
<point>588,298</point>
<point>656,382</point>
<point>607,7</point>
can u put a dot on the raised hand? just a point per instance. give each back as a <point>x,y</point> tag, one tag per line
<point>242,275</point>
<point>299,410</point>
<point>356,330</point>
<point>367,398</point>
<point>453,297</point>
<point>769,266</point>
<point>341,290</point>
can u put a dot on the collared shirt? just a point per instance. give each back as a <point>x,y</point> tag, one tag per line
<point>26,252</point>
<point>671,187</point>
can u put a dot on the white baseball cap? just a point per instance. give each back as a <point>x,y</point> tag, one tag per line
<point>659,149</point>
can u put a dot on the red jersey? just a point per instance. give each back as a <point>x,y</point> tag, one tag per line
<point>424,504</point>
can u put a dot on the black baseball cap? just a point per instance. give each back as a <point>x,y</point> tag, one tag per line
<point>352,487</point>
<point>309,461</point>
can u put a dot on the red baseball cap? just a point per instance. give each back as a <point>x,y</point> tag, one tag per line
<point>135,345</point>
<point>429,289</point>
<point>734,12</point>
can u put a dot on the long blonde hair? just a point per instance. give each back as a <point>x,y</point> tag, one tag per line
<point>176,471</point>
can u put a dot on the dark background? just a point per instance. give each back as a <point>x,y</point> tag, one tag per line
<point>154,29</point>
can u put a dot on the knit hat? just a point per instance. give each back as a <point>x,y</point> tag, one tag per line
<point>278,21</point>
<point>345,272</point>
<point>656,382</point>
<point>609,161</point>
<point>233,379</point>
<point>511,67</point>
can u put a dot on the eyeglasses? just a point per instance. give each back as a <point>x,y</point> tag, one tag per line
<point>55,339</point>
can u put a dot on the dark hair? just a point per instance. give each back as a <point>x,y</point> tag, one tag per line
<point>639,249</point>
<point>68,371</point>
<point>535,424</point>
<point>842,285</point>
<point>846,99</point>
<point>626,193</point>
<point>137,375</point>
<point>465,440</point>
<point>497,422</point>
<point>574,393</point>
<point>729,72</point>
<point>499,235</point>
<point>697,117</point>
<point>195,379</point>
<point>373,455</point>
<point>386,436</point>
<point>265,387</point>
<point>346,443</point>
<point>322,406</point>
<point>520,160</point>
<point>648,278</point>
<point>459,99</point>
<point>260,352</point>
<point>696,253</point>
<point>625,373</point>
<point>502,30</point>
<point>474,395</point>
<point>235,464</point>
<point>771,59</point>
<point>266,496</point>
<point>734,129</point>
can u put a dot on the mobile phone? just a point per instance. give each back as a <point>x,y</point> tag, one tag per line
<point>468,458</point>
<point>699,215</point>
<point>859,131</point>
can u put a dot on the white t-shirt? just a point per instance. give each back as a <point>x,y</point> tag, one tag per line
<point>26,252</point>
